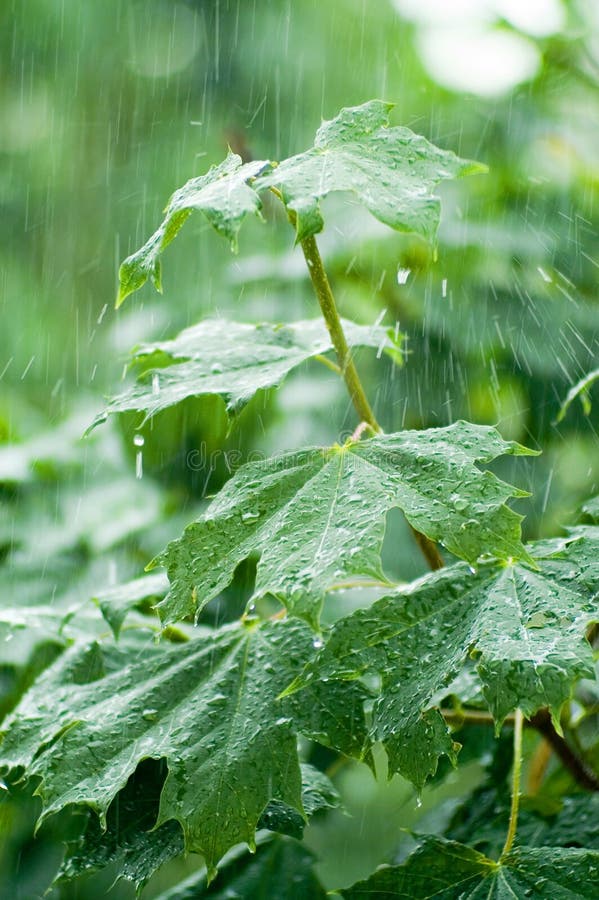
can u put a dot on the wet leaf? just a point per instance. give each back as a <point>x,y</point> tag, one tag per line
<point>281,868</point>
<point>318,794</point>
<point>392,171</point>
<point>581,390</point>
<point>223,195</point>
<point>233,361</point>
<point>317,516</point>
<point>208,707</point>
<point>417,639</point>
<point>117,602</point>
<point>131,842</point>
<point>449,871</point>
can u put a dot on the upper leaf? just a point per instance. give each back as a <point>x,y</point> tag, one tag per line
<point>317,516</point>
<point>208,707</point>
<point>233,361</point>
<point>391,170</point>
<point>445,870</point>
<point>525,626</point>
<point>225,197</point>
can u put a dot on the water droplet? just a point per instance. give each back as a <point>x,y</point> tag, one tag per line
<point>403,275</point>
<point>216,368</point>
<point>139,440</point>
<point>250,516</point>
<point>317,643</point>
<point>150,714</point>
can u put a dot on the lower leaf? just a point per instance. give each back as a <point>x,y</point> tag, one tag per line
<point>446,870</point>
<point>208,707</point>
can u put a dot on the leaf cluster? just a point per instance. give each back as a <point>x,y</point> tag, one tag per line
<point>199,742</point>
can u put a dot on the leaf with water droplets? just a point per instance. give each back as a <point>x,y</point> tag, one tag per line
<point>230,746</point>
<point>392,171</point>
<point>223,195</point>
<point>446,870</point>
<point>117,602</point>
<point>233,361</point>
<point>317,516</point>
<point>281,869</point>
<point>418,638</point>
<point>137,849</point>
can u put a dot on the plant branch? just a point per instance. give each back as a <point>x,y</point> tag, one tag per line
<point>323,291</point>
<point>583,774</point>
<point>541,722</point>
<point>516,772</point>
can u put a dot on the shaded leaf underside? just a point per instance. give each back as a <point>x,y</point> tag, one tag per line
<point>137,849</point>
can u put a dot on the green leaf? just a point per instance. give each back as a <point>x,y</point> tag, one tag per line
<point>208,707</point>
<point>128,840</point>
<point>137,849</point>
<point>318,794</point>
<point>225,197</point>
<point>317,516</point>
<point>581,390</point>
<point>233,361</point>
<point>590,510</point>
<point>117,602</point>
<point>445,870</point>
<point>392,171</point>
<point>525,626</point>
<point>482,820</point>
<point>281,868</point>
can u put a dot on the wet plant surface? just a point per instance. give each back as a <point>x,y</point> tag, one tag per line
<point>308,603</point>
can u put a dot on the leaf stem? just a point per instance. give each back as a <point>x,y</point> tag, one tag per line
<point>581,771</point>
<point>325,297</point>
<point>323,292</point>
<point>516,772</point>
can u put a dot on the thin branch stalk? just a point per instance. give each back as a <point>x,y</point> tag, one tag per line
<point>323,292</point>
<point>328,306</point>
<point>516,773</point>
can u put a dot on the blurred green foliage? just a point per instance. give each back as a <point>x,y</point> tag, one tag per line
<point>104,110</point>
